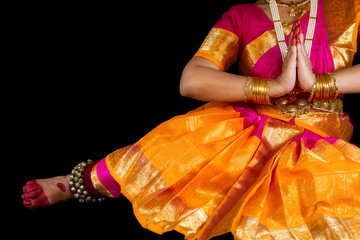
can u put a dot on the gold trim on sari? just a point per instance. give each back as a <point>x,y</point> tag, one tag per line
<point>258,47</point>
<point>221,47</point>
<point>340,26</point>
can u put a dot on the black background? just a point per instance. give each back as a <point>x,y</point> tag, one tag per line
<point>87,79</point>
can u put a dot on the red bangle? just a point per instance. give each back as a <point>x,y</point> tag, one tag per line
<point>87,180</point>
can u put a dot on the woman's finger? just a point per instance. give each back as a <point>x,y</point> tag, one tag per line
<point>291,43</point>
<point>300,55</point>
<point>290,39</point>
<point>301,50</point>
<point>302,40</point>
<point>292,55</point>
<point>301,34</point>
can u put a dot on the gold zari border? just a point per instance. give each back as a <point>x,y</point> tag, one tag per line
<point>341,30</point>
<point>221,47</point>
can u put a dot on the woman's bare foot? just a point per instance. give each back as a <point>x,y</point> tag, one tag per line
<point>45,192</point>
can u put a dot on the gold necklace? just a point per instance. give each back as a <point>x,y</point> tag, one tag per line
<point>294,7</point>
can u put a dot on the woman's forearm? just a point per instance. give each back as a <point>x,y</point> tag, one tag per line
<point>202,80</point>
<point>349,79</point>
<point>206,83</point>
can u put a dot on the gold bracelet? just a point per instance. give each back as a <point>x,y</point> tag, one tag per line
<point>313,89</point>
<point>257,91</point>
<point>265,83</point>
<point>335,84</point>
<point>254,90</point>
<point>267,89</point>
<point>246,96</point>
<point>319,87</point>
<point>260,91</point>
<point>325,87</point>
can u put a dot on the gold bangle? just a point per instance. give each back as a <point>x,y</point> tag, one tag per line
<point>246,96</point>
<point>331,86</point>
<point>267,88</point>
<point>260,91</point>
<point>254,90</point>
<point>316,96</point>
<point>313,89</point>
<point>325,87</point>
<point>320,85</point>
<point>335,84</point>
<point>265,91</point>
<point>319,92</point>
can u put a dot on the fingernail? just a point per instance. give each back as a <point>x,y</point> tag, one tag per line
<point>27,202</point>
<point>293,41</point>
<point>24,196</point>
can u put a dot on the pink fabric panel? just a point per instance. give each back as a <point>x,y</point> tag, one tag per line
<point>310,139</point>
<point>269,65</point>
<point>321,58</point>
<point>107,180</point>
<point>251,118</point>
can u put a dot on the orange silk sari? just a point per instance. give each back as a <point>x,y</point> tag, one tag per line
<point>249,169</point>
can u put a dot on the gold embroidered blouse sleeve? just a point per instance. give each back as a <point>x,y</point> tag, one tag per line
<point>342,22</point>
<point>357,12</point>
<point>221,47</point>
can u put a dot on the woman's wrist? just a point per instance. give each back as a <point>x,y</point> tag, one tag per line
<point>307,85</point>
<point>277,90</point>
<point>325,87</point>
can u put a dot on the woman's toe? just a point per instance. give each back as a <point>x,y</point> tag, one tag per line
<point>40,201</point>
<point>27,203</point>
<point>31,186</point>
<point>34,193</point>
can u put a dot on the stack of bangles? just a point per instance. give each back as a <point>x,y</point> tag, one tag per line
<point>325,87</point>
<point>257,90</point>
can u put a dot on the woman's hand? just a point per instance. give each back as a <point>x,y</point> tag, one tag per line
<point>284,83</point>
<point>305,73</point>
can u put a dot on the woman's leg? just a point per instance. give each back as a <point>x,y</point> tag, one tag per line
<point>46,192</point>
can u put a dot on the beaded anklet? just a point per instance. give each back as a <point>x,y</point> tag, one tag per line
<point>77,184</point>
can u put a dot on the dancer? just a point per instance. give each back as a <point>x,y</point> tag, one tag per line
<point>268,156</point>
